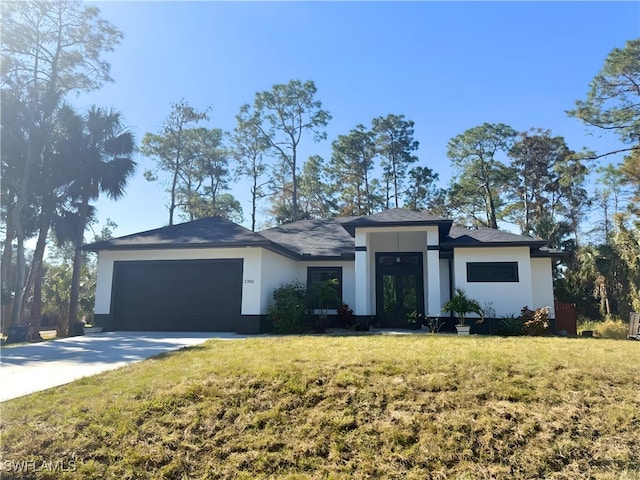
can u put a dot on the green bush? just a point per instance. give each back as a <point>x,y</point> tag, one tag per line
<point>288,312</point>
<point>510,326</point>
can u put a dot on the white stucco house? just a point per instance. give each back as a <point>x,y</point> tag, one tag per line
<point>214,275</point>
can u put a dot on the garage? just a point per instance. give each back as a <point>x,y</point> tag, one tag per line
<point>177,295</point>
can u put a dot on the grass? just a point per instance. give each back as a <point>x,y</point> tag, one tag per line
<point>612,328</point>
<point>44,334</point>
<point>344,407</point>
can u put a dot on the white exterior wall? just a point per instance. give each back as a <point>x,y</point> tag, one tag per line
<point>263,272</point>
<point>275,270</point>
<point>432,275</point>
<point>507,297</point>
<point>542,283</point>
<point>251,297</point>
<point>363,289</point>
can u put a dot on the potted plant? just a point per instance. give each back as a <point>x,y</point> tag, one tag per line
<point>463,305</point>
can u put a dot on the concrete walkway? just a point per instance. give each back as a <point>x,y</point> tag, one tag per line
<point>31,368</point>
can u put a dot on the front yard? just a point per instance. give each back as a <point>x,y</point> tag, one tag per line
<point>342,407</point>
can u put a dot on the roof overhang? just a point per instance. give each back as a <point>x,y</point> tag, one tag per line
<point>273,247</point>
<point>444,226</point>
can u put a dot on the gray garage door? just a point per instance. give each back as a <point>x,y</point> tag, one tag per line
<point>193,295</point>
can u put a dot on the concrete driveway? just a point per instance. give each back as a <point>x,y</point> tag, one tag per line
<point>31,368</point>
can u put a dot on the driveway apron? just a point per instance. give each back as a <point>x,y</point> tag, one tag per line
<point>32,368</point>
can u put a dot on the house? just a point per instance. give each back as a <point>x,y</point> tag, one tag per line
<point>214,275</point>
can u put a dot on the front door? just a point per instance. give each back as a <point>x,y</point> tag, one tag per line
<point>399,288</point>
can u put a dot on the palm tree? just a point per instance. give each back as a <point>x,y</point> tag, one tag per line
<point>104,166</point>
<point>462,305</point>
<point>51,179</point>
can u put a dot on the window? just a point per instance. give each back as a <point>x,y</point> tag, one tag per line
<point>399,259</point>
<point>316,277</point>
<point>492,272</point>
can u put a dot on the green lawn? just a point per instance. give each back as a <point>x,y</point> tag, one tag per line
<point>343,407</point>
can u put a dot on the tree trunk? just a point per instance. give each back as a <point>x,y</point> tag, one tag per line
<point>35,277</point>
<point>254,190</point>
<point>36,307</point>
<point>38,255</point>
<point>395,182</point>
<point>368,195</point>
<point>6,268</point>
<point>74,295</point>
<point>18,287</point>
<point>18,220</point>
<point>294,177</point>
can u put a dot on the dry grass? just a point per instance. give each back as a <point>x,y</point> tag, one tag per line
<point>345,407</point>
<point>614,329</point>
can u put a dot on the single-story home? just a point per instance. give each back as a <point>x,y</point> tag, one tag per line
<point>214,275</point>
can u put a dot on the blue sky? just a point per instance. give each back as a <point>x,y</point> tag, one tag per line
<point>448,66</point>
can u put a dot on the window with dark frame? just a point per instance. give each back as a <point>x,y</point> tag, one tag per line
<point>492,272</point>
<point>318,275</point>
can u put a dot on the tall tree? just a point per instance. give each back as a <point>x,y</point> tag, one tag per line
<point>630,170</point>
<point>394,143</point>
<point>611,196</point>
<point>352,161</point>
<point>548,184</point>
<point>282,115</point>
<point>168,150</point>
<point>480,175</point>
<point>14,140</point>
<point>316,200</point>
<point>205,175</point>
<point>604,279</point>
<point>575,200</point>
<point>613,99</point>
<point>53,180</point>
<point>105,165</point>
<point>248,147</point>
<point>422,192</point>
<point>48,49</point>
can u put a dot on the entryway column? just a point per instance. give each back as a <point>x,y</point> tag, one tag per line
<point>433,273</point>
<point>362,277</point>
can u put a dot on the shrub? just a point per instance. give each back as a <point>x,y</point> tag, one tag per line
<point>288,312</point>
<point>535,322</point>
<point>613,328</point>
<point>510,326</point>
<point>345,316</point>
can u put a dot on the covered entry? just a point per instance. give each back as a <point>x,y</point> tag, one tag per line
<point>399,288</point>
<point>177,295</point>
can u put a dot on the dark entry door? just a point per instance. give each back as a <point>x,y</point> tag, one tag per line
<point>399,288</point>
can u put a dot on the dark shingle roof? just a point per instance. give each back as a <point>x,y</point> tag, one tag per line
<point>460,236</point>
<point>395,217</point>
<point>314,238</point>
<point>311,239</point>
<point>206,232</point>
